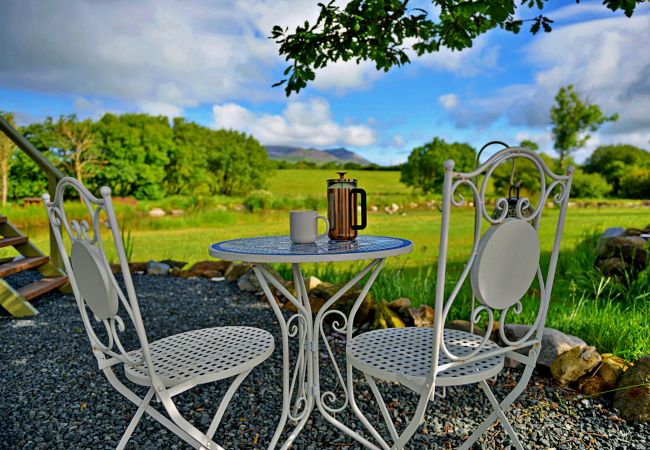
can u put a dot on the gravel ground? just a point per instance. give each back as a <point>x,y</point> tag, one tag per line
<point>53,396</point>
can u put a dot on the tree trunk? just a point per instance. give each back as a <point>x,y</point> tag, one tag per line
<point>4,168</point>
<point>78,168</point>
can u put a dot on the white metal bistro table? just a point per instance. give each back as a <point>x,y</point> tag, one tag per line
<point>301,389</point>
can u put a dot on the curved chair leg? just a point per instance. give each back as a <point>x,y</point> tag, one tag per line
<point>500,410</point>
<point>225,401</point>
<point>136,419</point>
<point>382,407</point>
<point>164,421</point>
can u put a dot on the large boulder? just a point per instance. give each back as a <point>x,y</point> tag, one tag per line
<point>633,398</point>
<point>570,366</point>
<point>466,326</point>
<point>402,306</point>
<point>630,250</point>
<point>206,269</point>
<point>236,270</point>
<point>324,291</point>
<point>248,281</point>
<point>554,342</point>
<point>613,232</point>
<point>605,377</point>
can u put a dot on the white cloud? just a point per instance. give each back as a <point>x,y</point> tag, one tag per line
<point>301,124</point>
<point>448,101</point>
<point>343,76</point>
<point>600,57</point>
<point>160,55</point>
<point>472,61</point>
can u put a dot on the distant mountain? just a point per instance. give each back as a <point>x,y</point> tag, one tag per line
<point>293,154</point>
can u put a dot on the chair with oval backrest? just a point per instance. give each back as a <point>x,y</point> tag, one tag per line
<point>504,262</point>
<point>168,366</point>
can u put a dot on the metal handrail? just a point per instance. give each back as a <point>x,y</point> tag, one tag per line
<point>52,172</point>
<point>29,149</point>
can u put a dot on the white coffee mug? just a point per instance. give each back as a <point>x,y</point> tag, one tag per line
<point>303,226</point>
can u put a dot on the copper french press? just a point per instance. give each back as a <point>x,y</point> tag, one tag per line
<point>342,208</point>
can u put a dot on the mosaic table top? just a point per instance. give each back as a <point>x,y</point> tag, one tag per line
<point>281,249</point>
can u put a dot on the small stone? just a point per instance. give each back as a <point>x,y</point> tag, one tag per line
<point>157,268</point>
<point>570,366</point>
<point>311,283</point>
<point>157,212</point>
<point>605,377</point>
<point>422,316</point>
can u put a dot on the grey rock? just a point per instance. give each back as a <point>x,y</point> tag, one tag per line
<point>248,282</point>
<point>157,268</point>
<point>554,342</point>
<point>613,232</point>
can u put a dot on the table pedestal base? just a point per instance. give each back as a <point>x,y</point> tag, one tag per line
<point>301,389</point>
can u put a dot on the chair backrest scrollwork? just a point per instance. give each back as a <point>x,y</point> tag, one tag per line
<point>95,288</point>
<point>505,253</point>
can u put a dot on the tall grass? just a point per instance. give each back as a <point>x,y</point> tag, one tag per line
<point>607,313</point>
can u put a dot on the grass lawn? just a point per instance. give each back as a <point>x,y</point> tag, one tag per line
<point>313,182</point>
<point>597,310</point>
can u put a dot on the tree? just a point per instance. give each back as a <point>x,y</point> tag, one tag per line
<point>186,170</point>
<point>572,116</point>
<point>529,144</point>
<point>635,183</point>
<point>526,172</point>
<point>137,149</point>
<point>7,148</point>
<point>424,168</point>
<point>377,30</point>
<point>236,163</point>
<point>613,162</point>
<point>75,143</point>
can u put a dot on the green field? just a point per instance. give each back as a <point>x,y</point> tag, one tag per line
<point>313,182</point>
<point>581,305</point>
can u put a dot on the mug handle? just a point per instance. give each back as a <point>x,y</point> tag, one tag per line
<point>327,226</point>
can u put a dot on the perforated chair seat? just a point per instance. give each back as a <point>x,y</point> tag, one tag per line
<point>204,355</point>
<point>404,355</point>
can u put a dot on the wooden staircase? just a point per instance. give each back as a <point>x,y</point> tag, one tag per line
<point>17,301</point>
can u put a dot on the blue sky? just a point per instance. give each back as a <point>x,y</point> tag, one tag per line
<point>210,61</point>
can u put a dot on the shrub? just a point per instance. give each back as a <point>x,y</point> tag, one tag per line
<point>636,183</point>
<point>589,185</point>
<point>259,199</point>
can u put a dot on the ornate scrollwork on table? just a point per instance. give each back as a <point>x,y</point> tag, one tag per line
<point>329,396</point>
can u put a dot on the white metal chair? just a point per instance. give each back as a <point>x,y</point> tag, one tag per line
<point>169,366</point>
<point>503,263</point>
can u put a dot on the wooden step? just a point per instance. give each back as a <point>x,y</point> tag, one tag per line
<point>6,242</point>
<point>21,265</point>
<point>42,286</point>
